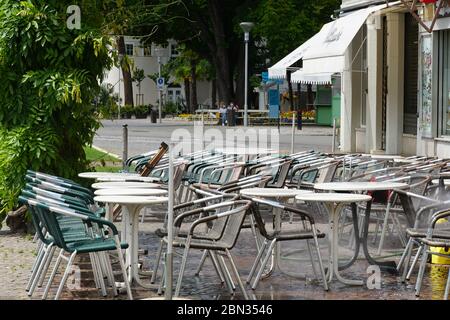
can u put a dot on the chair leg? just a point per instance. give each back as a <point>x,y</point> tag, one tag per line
<point>404,255</point>
<point>36,264</point>
<point>162,282</point>
<point>228,279</point>
<point>263,264</point>
<point>39,271</point>
<point>423,264</point>
<point>182,267</point>
<point>447,287</point>
<point>216,266</point>
<point>110,273</point>
<point>322,270</point>
<point>416,258</point>
<point>52,275</point>
<point>66,275</point>
<point>46,266</point>
<point>405,259</point>
<point>257,260</point>
<point>122,267</point>
<point>157,262</point>
<point>202,261</point>
<point>97,263</point>
<point>383,230</point>
<point>236,274</point>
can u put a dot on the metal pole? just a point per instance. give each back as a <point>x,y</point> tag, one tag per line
<point>125,147</point>
<point>159,92</point>
<point>293,133</point>
<point>333,143</point>
<point>247,38</point>
<point>169,255</point>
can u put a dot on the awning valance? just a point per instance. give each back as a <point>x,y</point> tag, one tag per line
<point>311,78</point>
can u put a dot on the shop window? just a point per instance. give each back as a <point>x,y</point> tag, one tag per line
<point>445,80</point>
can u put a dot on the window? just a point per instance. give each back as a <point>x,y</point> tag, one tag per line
<point>173,50</point>
<point>444,98</point>
<point>147,51</point>
<point>129,49</point>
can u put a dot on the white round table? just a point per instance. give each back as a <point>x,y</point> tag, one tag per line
<point>116,177</point>
<point>132,205</point>
<point>131,185</point>
<point>130,192</point>
<point>282,195</point>
<point>335,202</point>
<point>361,186</point>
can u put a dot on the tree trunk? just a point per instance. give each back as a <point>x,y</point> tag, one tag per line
<point>194,103</point>
<point>187,93</point>
<point>299,95</point>
<point>291,91</point>
<point>213,93</point>
<point>127,83</point>
<point>240,77</point>
<point>221,58</point>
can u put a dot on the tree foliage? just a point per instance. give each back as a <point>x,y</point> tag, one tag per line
<point>50,76</point>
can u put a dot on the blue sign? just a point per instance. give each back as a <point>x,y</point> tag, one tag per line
<point>274,97</point>
<point>274,103</point>
<point>265,77</point>
<point>160,83</point>
<point>274,112</point>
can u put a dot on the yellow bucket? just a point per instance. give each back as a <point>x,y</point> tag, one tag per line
<point>435,259</point>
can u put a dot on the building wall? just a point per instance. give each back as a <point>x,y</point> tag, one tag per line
<point>149,63</point>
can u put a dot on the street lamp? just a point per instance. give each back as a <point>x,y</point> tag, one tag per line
<point>246,27</point>
<point>160,53</point>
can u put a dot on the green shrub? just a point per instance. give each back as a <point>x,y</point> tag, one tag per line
<point>141,112</point>
<point>126,111</point>
<point>171,108</point>
<point>50,78</point>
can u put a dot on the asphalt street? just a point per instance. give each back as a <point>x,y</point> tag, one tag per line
<point>144,136</point>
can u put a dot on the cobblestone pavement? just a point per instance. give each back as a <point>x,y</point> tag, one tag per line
<point>17,253</point>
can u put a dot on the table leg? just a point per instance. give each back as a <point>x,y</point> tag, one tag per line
<point>389,266</point>
<point>334,225</point>
<point>357,239</point>
<point>134,245</point>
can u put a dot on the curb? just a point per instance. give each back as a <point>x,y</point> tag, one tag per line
<point>107,152</point>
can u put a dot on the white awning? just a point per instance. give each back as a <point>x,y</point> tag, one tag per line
<point>311,78</point>
<point>327,54</point>
<point>278,71</point>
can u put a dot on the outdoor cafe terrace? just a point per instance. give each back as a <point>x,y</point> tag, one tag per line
<point>245,225</point>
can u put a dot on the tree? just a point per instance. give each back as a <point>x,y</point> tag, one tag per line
<point>50,76</point>
<point>138,77</point>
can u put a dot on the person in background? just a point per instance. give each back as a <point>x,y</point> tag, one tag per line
<point>235,114</point>
<point>230,114</point>
<point>223,113</point>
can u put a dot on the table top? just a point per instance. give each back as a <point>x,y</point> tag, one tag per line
<point>334,197</point>
<point>360,186</point>
<point>127,179</point>
<point>386,157</point>
<point>273,192</point>
<point>130,192</point>
<point>95,175</point>
<point>124,200</point>
<point>115,185</point>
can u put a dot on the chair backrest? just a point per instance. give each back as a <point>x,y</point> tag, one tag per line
<point>234,219</point>
<point>151,164</point>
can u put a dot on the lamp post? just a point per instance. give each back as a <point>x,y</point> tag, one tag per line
<point>246,27</point>
<point>160,52</point>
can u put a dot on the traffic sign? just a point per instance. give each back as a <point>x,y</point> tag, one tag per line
<point>160,82</point>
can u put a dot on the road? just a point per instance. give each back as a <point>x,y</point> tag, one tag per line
<point>144,136</point>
